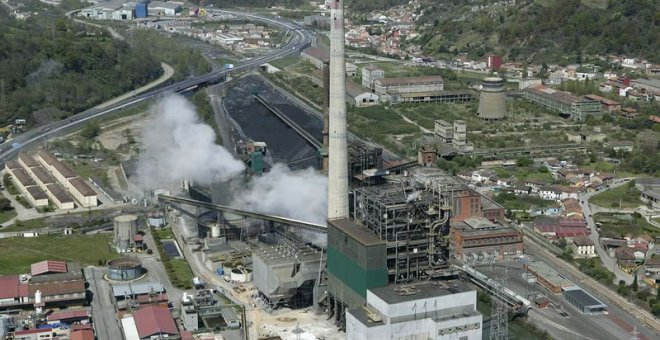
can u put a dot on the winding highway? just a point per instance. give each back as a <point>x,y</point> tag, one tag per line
<point>299,40</point>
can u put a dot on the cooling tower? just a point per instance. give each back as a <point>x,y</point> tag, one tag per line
<point>491,101</point>
<point>338,167</point>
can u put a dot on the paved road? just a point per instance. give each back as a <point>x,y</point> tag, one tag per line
<point>103,312</point>
<point>617,305</point>
<point>608,262</point>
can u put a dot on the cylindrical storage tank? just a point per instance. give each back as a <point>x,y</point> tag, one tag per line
<point>491,100</point>
<point>156,219</point>
<point>124,269</point>
<point>241,275</point>
<point>215,230</point>
<point>125,230</point>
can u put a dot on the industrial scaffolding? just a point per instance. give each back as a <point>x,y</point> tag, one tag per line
<point>413,220</point>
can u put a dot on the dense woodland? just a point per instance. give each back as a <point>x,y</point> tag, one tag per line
<point>49,62</point>
<point>543,31</point>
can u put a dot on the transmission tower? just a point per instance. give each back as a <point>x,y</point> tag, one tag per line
<point>499,320</point>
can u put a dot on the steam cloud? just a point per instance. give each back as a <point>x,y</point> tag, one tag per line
<point>298,194</point>
<point>176,145</point>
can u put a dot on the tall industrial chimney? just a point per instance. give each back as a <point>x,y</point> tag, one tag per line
<point>338,167</point>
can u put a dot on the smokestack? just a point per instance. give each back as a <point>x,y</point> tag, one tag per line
<point>326,115</point>
<point>338,167</point>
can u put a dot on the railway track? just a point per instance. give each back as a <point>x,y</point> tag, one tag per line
<point>640,314</point>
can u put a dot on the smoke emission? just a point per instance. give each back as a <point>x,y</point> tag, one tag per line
<point>176,145</point>
<point>300,194</point>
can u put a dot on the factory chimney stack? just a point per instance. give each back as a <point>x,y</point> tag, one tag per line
<point>326,115</point>
<point>338,167</point>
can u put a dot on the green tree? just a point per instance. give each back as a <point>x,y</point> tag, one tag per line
<point>91,131</point>
<point>635,285</point>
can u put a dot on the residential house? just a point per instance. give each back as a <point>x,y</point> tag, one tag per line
<point>612,244</point>
<point>652,268</point>
<point>521,189</point>
<point>549,193</point>
<point>535,185</point>
<point>583,247</point>
<point>628,259</point>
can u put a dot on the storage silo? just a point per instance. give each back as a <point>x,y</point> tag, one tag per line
<point>491,101</point>
<point>124,231</point>
<point>124,269</point>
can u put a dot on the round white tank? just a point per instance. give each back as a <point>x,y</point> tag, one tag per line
<point>156,219</point>
<point>215,230</point>
<point>241,274</point>
<point>125,229</point>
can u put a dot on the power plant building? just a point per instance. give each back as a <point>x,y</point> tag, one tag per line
<point>478,239</point>
<point>428,310</point>
<point>577,108</point>
<point>491,101</point>
<point>286,274</point>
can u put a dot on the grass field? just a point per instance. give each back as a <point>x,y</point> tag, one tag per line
<point>627,197</point>
<point>283,63</point>
<point>7,215</point>
<point>177,270</point>
<point>36,223</point>
<point>17,254</point>
<point>617,225</point>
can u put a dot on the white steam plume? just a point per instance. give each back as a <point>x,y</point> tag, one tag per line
<point>300,194</point>
<point>176,145</point>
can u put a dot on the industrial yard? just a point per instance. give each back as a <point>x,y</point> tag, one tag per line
<point>142,226</point>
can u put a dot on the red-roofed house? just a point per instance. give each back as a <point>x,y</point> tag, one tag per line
<point>82,334</point>
<point>48,267</point>
<point>557,228</point>
<point>12,291</point>
<point>154,320</point>
<point>34,334</point>
<point>68,316</point>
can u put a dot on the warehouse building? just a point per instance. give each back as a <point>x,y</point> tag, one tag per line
<point>584,301</point>
<point>576,108</point>
<point>478,239</point>
<point>59,197</point>
<point>110,10</point>
<point>316,56</point>
<point>36,196</point>
<point>359,96</point>
<point>59,170</point>
<point>409,89</point>
<point>82,192</point>
<point>59,283</point>
<point>548,277</point>
<point>161,8</point>
<point>427,310</point>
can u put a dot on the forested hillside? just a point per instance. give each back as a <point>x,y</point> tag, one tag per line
<point>51,62</point>
<point>542,30</point>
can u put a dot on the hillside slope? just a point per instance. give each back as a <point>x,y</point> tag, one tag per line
<point>541,30</point>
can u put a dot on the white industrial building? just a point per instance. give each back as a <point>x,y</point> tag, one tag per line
<point>82,192</point>
<point>111,10</point>
<point>427,310</point>
<point>370,74</point>
<point>161,8</point>
<point>359,96</point>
